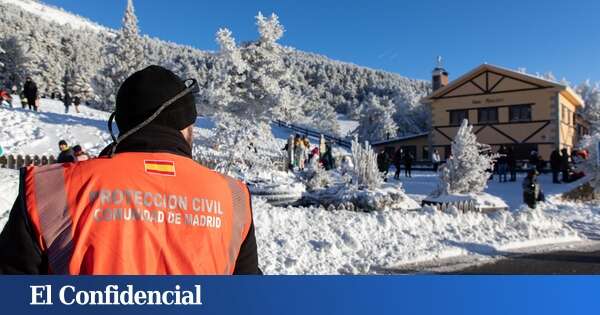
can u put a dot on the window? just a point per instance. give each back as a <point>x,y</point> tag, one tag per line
<point>488,115</point>
<point>520,113</point>
<point>457,116</point>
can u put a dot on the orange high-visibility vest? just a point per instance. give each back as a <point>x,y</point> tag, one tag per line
<point>137,213</point>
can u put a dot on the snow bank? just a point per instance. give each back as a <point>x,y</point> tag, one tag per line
<point>317,241</point>
<point>481,201</point>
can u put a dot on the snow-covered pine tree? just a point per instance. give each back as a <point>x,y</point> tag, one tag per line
<point>264,93</point>
<point>467,169</point>
<point>125,55</point>
<point>324,118</point>
<point>243,142</point>
<point>365,173</point>
<point>376,121</point>
<point>225,75</point>
<point>45,68</point>
<point>591,97</point>
<point>591,166</point>
<point>13,60</point>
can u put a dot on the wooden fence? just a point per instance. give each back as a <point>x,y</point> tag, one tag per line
<point>16,162</point>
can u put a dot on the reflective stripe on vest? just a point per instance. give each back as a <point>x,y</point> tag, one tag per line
<point>62,217</point>
<point>53,221</point>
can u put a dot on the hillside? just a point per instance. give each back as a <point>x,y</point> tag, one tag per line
<point>38,33</point>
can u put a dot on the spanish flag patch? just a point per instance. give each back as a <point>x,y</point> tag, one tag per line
<point>166,168</point>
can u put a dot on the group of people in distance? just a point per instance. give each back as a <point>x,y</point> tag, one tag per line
<point>30,97</point>
<point>300,154</point>
<point>398,158</point>
<point>561,162</point>
<point>70,155</point>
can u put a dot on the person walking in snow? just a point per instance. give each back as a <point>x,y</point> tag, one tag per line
<point>408,162</point>
<point>289,148</point>
<point>306,144</point>
<point>66,154</point>
<point>565,165</point>
<point>511,162</point>
<point>397,163</point>
<point>502,164</point>
<point>532,193</point>
<point>322,147</point>
<point>67,101</point>
<point>80,155</point>
<point>327,158</point>
<point>30,90</point>
<point>435,158</point>
<point>382,164</point>
<point>299,152</point>
<point>314,155</point>
<point>534,159</point>
<point>76,103</point>
<point>555,161</point>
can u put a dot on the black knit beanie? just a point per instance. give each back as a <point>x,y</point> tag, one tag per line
<point>145,91</point>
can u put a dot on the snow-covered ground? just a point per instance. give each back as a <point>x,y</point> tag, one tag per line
<point>294,240</point>
<point>56,15</point>
<point>27,132</point>
<point>312,240</point>
<point>347,125</point>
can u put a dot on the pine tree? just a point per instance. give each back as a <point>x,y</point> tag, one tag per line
<point>125,56</point>
<point>226,73</point>
<point>13,62</point>
<point>467,169</point>
<point>324,119</point>
<point>376,121</point>
<point>591,97</point>
<point>264,93</point>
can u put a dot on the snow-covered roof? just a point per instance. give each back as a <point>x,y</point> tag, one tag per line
<point>418,135</point>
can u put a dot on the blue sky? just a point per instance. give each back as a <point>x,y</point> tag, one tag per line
<point>398,36</point>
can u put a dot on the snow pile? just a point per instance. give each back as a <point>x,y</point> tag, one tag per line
<point>359,187</point>
<point>317,241</point>
<point>478,201</point>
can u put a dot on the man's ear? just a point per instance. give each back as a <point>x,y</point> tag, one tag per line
<point>188,134</point>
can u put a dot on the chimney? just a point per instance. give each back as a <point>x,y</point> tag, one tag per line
<point>439,76</point>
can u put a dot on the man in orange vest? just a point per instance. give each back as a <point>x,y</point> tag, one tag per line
<point>143,207</point>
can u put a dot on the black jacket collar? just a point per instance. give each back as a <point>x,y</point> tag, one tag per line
<point>153,138</point>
